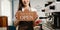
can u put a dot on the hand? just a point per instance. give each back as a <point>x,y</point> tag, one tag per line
<point>16,22</point>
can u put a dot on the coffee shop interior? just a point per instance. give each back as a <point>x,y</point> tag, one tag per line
<point>42,15</point>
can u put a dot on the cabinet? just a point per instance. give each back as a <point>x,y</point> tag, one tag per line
<point>3,21</point>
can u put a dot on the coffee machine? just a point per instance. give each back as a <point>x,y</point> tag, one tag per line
<point>56,19</point>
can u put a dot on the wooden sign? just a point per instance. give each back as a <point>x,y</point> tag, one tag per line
<point>26,15</point>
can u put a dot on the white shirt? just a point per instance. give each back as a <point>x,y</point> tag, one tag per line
<point>30,9</point>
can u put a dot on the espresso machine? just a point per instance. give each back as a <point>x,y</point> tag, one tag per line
<point>56,19</point>
<point>53,15</point>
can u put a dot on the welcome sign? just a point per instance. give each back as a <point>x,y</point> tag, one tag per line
<point>26,15</point>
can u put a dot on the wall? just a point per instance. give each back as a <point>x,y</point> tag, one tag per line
<point>58,6</point>
<point>6,10</point>
<point>0,7</point>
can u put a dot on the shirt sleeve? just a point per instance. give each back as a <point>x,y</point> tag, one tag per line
<point>33,9</point>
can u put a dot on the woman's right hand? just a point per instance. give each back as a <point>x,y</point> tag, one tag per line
<point>16,22</point>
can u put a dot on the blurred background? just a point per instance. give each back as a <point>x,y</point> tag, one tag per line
<point>45,9</point>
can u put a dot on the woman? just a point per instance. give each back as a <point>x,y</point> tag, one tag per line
<point>24,4</point>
